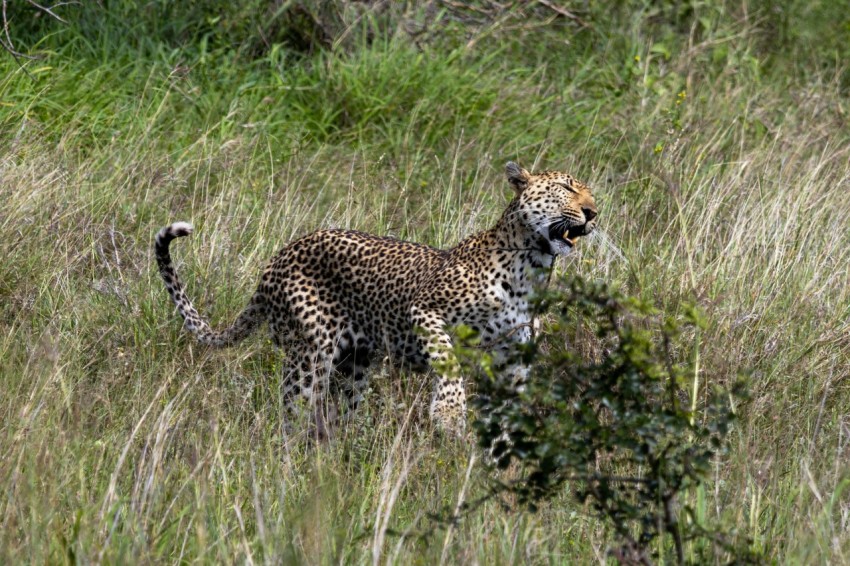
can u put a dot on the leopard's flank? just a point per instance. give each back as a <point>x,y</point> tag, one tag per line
<point>337,300</point>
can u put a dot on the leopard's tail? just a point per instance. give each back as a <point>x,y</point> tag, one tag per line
<point>245,324</point>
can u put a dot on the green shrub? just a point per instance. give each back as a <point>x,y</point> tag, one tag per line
<point>614,411</point>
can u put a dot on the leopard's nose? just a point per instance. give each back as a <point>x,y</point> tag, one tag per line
<point>589,214</point>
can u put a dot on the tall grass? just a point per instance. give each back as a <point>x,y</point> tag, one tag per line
<point>121,440</point>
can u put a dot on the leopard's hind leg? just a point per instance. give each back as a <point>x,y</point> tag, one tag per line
<point>306,380</point>
<point>352,357</point>
<point>323,362</point>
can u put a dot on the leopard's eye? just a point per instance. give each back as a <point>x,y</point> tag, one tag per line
<point>566,186</point>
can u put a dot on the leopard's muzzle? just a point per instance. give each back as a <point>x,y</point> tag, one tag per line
<point>561,231</point>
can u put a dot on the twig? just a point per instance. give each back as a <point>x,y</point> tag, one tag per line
<point>49,10</point>
<point>671,523</point>
<point>563,12</point>
<point>9,46</point>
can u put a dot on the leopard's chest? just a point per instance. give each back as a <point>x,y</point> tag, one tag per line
<point>508,316</point>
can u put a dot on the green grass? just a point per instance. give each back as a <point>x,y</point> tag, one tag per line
<point>121,440</point>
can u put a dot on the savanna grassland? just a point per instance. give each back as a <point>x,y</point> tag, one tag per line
<point>716,137</point>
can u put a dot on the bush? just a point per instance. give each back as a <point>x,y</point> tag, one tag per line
<point>613,411</point>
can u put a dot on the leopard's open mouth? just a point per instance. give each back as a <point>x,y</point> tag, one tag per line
<point>562,232</point>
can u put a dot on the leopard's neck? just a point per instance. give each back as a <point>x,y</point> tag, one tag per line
<point>510,237</point>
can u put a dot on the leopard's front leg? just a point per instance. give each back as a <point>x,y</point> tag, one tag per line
<point>448,403</point>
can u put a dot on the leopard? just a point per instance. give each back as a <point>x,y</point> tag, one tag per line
<point>336,301</point>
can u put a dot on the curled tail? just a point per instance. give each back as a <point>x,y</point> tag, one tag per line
<point>246,323</point>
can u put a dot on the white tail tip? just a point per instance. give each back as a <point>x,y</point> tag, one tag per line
<point>181,229</point>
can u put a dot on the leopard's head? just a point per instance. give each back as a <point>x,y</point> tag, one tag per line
<point>553,205</point>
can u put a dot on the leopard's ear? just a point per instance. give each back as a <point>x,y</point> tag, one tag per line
<point>517,176</point>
